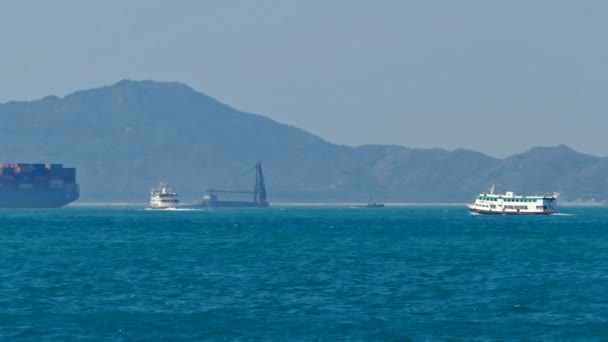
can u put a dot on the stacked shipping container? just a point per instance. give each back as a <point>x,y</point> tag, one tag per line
<point>37,185</point>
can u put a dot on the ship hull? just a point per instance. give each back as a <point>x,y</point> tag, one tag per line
<point>377,205</point>
<point>165,207</point>
<point>224,204</point>
<point>235,204</point>
<point>496,212</point>
<point>36,198</point>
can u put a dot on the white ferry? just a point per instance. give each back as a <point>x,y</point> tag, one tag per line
<point>511,204</point>
<point>163,197</point>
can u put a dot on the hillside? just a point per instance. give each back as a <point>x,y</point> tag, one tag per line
<point>127,137</point>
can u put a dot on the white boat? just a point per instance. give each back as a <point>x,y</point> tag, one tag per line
<point>511,204</point>
<point>372,204</point>
<point>163,197</point>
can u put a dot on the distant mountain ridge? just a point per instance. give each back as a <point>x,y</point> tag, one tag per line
<point>127,137</point>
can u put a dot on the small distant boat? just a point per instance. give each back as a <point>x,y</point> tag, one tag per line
<point>372,204</point>
<point>511,204</point>
<point>163,197</point>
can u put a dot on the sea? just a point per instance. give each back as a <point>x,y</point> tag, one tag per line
<point>302,274</point>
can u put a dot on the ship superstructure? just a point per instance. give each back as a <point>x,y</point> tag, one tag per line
<point>163,197</point>
<point>27,185</point>
<point>511,204</point>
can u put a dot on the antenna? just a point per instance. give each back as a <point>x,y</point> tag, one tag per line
<point>492,189</point>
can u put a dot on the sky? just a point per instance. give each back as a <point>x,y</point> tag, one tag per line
<point>498,77</point>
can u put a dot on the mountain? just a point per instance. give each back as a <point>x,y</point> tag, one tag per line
<point>127,137</point>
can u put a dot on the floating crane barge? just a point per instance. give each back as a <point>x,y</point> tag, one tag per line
<point>211,200</point>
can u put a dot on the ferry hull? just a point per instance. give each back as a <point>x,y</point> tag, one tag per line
<point>496,212</point>
<point>161,208</point>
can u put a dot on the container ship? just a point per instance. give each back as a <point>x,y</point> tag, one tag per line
<point>37,185</point>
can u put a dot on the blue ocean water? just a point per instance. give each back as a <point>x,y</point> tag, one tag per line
<point>414,273</point>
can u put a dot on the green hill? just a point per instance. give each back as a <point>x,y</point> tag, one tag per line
<point>127,137</point>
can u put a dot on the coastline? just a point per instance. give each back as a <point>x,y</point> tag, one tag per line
<point>334,204</point>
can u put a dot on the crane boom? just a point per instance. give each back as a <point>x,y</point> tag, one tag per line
<point>230,191</point>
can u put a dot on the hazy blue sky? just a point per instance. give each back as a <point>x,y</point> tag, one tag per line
<point>495,76</point>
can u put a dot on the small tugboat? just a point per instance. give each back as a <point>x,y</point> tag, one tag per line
<point>163,197</point>
<point>511,204</point>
